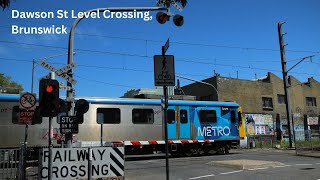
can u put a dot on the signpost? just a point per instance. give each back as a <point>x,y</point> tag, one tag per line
<point>164,75</point>
<point>27,105</point>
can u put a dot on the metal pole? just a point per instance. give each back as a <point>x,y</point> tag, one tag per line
<point>50,151</point>
<point>70,93</point>
<point>202,82</point>
<point>90,164</point>
<point>285,81</point>
<point>101,134</point>
<point>165,92</point>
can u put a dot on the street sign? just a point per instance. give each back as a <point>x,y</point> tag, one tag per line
<point>69,124</point>
<point>165,47</point>
<point>60,72</point>
<point>164,73</point>
<point>25,116</point>
<point>28,101</point>
<point>27,107</point>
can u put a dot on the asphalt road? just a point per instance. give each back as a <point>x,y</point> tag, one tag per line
<point>285,165</point>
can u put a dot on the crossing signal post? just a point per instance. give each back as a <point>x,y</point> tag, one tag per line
<point>49,97</point>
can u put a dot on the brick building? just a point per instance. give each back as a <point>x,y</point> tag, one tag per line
<point>263,102</point>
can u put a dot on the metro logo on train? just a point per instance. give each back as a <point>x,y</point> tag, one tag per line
<point>210,132</point>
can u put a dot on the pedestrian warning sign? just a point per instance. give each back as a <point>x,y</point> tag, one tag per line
<point>164,73</point>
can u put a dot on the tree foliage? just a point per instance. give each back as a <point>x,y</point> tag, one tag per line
<point>6,82</point>
<point>4,4</point>
<point>168,3</point>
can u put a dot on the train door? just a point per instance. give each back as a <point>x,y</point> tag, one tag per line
<point>172,123</point>
<point>234,122</point>
<point>184,123</point>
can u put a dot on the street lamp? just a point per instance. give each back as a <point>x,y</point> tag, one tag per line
<point>202,82</point>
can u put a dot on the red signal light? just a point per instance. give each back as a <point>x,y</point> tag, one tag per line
<point>49,88</point>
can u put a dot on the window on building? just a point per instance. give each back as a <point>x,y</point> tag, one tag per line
<point>142,116</point>
<point>183,116</point>
<point>108,116</point>
<point>171,116</point>
<point>208,116</point>
<point>267,103</point>
<point>281,99</point>
<point>311,101</point>
<point>233,116</point>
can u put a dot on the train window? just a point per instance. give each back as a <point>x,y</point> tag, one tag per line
<point>208,116</point>
<point>171,116</point>
<point>233,116</point>
<point>183,116</point>
<point>142,116</point>
<point>108,116</point>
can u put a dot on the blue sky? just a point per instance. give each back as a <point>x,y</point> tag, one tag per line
<point>115,55</point>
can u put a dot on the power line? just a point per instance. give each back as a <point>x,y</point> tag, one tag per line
<point>189,43</point>
<point>146,71</point>
<point>116,53</point>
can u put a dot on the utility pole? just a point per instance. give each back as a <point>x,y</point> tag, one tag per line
<point>285,80</point>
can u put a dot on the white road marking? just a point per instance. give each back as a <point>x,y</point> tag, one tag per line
<point>317,163</point>
<point>282,166</point>
<point>232,172</point>
<point>202,176</point>
<point>258,169</point>
<point>303,164</point>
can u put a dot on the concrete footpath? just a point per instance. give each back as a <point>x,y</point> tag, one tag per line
<point>246,163</point>
<point>253,164</point>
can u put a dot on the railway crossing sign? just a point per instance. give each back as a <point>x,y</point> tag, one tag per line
<point>60,72</point>
<point>27,105</point>
<point>164,74</point>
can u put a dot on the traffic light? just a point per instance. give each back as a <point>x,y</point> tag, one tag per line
<point>64,106</point>
<point>37,118</point>
<point>49,97</point>
<point>81,107</point>
<point>15,114</point>
<point>178,20</point>
<point>164,17</point>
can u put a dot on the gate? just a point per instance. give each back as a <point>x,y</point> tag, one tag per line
<point>9,163</point>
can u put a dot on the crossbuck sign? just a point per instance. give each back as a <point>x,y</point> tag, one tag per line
<point>60,72</point>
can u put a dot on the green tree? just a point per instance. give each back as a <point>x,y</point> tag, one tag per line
<point>6,82</point>
<point>4,4</point>
<point>168,3</point>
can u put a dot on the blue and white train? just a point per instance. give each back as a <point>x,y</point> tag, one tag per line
<point>194,127</point>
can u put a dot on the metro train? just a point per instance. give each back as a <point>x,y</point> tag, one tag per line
<point>194,127</point>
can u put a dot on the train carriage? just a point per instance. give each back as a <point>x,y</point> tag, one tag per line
<point>194,127</point>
